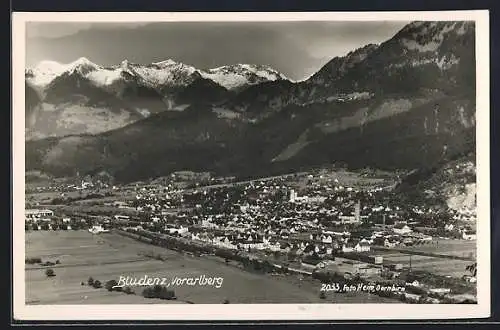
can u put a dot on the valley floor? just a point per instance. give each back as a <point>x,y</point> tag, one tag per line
<point>109,256</point>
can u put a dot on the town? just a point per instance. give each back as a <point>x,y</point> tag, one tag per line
<point>325,225</point>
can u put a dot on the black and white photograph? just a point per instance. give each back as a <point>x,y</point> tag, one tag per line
<point>254,165</point>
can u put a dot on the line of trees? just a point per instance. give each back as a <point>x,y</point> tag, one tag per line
<point>110,285</point>
<point>156,291</point>
<point>160,292</point>
<point>67,200</point>
<point>37,260</point>
<point>55,226</point>
<point>96,284</point>
<point>179,244</point>
<point>32,261</point>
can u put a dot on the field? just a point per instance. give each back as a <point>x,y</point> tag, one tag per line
<point>454,247</point>
<point>108,256</point>
<point>438,247</point>
<point>352,179</point>
<point>438,266</point>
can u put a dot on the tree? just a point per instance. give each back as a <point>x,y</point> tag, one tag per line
<point>97,284</point>
<point>128,290</point>
<point>50,272</point>
<point>472,268</point>
<point>90,281</point>
<point>167,294</point>
<point>148,293</point>
<point>158,291</point>
<point>110,285</point>
<point>226,301</point>
<point>267,267</point>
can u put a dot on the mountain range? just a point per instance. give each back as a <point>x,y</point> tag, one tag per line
<point>406,103</point>
<point>83,97</point>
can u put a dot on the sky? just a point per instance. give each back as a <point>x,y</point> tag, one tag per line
<point>297,49</point>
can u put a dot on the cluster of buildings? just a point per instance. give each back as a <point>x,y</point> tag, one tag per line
<point>316,225</point>
<point>45,219</point>
<point>273,215</point>
<point>323,219</point>
<point>70,185</point>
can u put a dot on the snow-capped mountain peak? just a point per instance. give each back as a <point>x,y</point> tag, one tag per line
<point>124,64</point>
<point>82,61</point>
<point>82,66</point>
<point>125,67</point>
<point>239,75</point>
<point>46,71</point>
<point>165,63</point>
<point>42,74</point>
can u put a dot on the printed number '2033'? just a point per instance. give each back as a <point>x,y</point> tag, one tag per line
<point>330,287</point>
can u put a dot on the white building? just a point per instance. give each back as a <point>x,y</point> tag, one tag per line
<point>295,198</point>
<point>97,229</point>
<point>449,227</point>
<point>208,224</point>
<point>181,230</point>
<point>388,243</point>
<point>224,243</point>
<point>346,219</point>
<point>346,248</point>
<point>401,229</point>
<point>440,290</point>
<point>327,239</point>
<point>412,297</point>
<point>362,247</point>
<point>469,235</point>
<point>35,214</point>
<point>415,283</point>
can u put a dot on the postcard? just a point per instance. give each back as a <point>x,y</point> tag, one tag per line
<point>251,166</point>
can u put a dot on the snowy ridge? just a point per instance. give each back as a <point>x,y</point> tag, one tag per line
<point>236,76</point>
<point>164,73</point>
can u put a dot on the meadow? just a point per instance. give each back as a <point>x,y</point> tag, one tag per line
<point>108,256</point>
